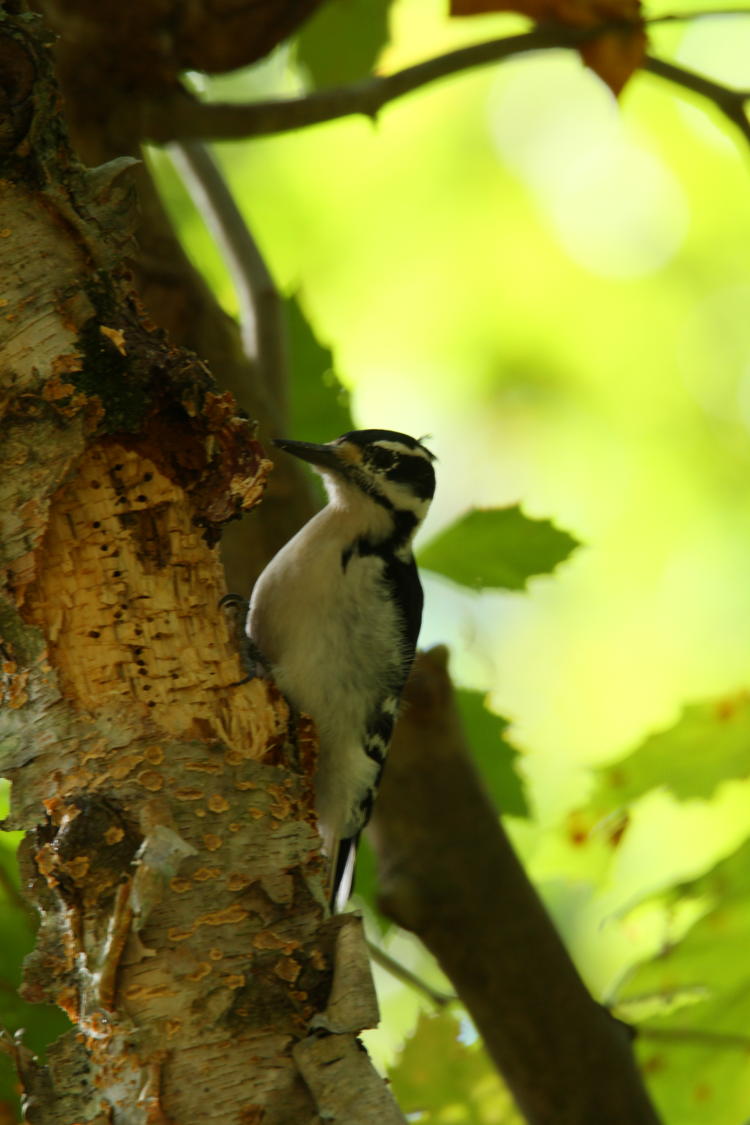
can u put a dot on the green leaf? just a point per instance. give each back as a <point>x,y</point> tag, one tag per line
<point>498,548</point>
<point>695,1043</point>
<point>319,405</point>
<point>342,41</point>
<point>41,1022</point>
<point>496,757</point>
<point>442,1079</point>
<point>709,744</point>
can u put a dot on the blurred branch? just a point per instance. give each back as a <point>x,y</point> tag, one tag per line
<point>406,976</point>
<point>261,311</point>
<point>731,102</point>
<point>449,874</point>
<point>183,116</point>
<point>692,1037</point>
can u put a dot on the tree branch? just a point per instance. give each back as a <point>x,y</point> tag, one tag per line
<point>449,874</point>
<point>261,312</point>
<point>694,1037</point>
<point>730,102</point>
<point>184,117</point>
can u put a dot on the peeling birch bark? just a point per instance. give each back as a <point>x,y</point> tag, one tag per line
<point>171,848</point>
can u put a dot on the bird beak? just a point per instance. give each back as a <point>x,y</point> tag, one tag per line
<point>322,456</point>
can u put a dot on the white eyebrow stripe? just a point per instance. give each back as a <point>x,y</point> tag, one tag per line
<point>407,450</point>
<point>402,498</point>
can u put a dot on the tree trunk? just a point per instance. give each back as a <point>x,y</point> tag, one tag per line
<point>171,848</point>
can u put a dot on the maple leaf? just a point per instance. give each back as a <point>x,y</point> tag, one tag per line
<point>614,55</point>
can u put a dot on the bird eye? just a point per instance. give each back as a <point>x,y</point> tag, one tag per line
<point>382,458</point>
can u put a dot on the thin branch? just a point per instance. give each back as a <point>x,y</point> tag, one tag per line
<point>691,1037</point>
<point>261,311</point>
<point>687,17</point>
<point>183,116</point>
<point>730,102</point>
<point>400,972</point>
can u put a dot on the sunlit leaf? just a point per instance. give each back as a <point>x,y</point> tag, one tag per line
<point>614,55</point>
<point>496,757</point>
<point>439,1078</point>
<point>498,548</point>
<point>342,40</point>
<point>709,744</point>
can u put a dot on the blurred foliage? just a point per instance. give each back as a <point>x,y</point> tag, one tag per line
<point>692,1004</point>
<point>318,403</point>
<point>495,756</point>
<point>342,41</point>
<point>41,1023</point>
<point>439,1079</point>
<point>708,745</point>
<point>496,548</point>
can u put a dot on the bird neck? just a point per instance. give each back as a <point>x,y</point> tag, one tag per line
<point>372,522</point>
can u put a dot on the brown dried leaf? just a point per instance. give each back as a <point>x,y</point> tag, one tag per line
<point>614,55</point>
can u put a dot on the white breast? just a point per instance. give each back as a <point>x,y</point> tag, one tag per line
<point>332,637</point>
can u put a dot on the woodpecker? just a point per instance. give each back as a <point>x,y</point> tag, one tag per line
<point>336,615</point>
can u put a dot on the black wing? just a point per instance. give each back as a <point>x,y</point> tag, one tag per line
<point>405,590</point>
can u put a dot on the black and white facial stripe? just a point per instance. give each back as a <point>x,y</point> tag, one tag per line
<point>396,471</point>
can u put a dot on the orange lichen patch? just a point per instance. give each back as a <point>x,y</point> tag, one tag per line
<point>131,586</point>
<point>233,757</point>
<point>180,886</point>
<point>211,842</point>
<point>78,867</point>
<point>256,814</point>
<point>317,960</point>
<point>229,916</point>
<point>288,969</point>
<point>234,980</point>
<point>208,766</point>
<point>148,992</point>
<point>203,970</point>
<point>176,934</point>
<point>216,954</point>
<point>252,1114</point>
<point>67,999</point>
<point>154,755</point>
<point>13,691</point>
<point>114,834</point>
<point>152,780</point>
<point>188,794</point>
<point>216,803</point>
<point>203,874</point>
<point>282,805</point>
<point>46,861</point>
<point>98,750</point>
<point>124,765</point>
<point>267,939</point>
<point>246,785</point>
<point>237,882</point>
